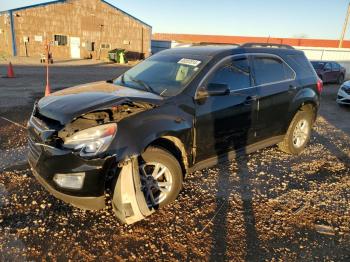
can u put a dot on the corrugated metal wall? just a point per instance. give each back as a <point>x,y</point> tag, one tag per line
<point>5,35</point>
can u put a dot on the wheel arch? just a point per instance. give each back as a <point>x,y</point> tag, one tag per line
<point>306,99</point>
<point>176,147</point>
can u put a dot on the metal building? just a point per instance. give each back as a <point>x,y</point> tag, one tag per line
<point>75,28</point>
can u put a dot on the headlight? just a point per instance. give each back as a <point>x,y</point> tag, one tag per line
<point>345,88</point>
<point>93,140</point>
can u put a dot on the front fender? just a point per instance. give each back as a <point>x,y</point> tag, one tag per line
<point>136,133</point>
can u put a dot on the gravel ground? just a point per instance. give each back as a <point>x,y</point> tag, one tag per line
<point>266,206</point>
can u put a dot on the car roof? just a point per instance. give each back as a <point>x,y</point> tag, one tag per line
<point>208,50</point>
<point>324,61</point>
<point>218,50</point>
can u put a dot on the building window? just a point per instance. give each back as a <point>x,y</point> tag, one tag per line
<point>105,46</point>
<point>61,40</point>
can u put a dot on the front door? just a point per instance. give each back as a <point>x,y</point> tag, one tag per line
<point>226,122</point>
<point>75,47</point>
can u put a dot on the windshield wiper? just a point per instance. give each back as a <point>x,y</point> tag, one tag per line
<point>142,83</point>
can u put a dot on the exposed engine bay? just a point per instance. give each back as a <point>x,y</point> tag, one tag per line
<point>114,114</point>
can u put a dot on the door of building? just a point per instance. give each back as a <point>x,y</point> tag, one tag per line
<point>75,47</point>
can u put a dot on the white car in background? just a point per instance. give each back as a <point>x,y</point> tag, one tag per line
<point>343,97</point>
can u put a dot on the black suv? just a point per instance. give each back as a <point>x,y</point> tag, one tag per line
<point>179,111</point>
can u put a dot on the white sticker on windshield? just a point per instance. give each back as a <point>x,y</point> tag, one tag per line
<point>190,62</point>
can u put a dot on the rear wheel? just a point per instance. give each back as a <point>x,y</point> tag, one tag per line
<point>298,134</point>
<point>161,177</point>
<point>340,79</point>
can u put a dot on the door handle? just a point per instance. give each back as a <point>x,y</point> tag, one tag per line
<point>292,88</point>
<point>250,99</point>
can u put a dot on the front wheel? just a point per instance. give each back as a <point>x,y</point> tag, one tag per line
<point>161,177</point>
<point>298,134</point>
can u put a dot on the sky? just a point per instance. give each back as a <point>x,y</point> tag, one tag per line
<point>276,18</point>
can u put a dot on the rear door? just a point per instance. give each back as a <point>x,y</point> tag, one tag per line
<point>226,123</point>
<point>276,87</point>
<point>327,73</point>
<point>335,71</point>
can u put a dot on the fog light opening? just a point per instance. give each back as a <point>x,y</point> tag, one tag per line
<point>70,181</point>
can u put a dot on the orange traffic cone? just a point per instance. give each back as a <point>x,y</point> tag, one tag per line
<point>10,72</point>
<point>47,90</point>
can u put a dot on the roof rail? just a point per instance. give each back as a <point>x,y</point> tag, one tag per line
<point>214,43</point>
<point>270,45</point>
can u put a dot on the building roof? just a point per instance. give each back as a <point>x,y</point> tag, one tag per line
<point>62,1</point>
<point>305,42</point>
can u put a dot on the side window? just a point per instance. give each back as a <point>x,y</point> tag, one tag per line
<point>235,73</point>
<point>336,66</point>
<point>270,70</point>
<point>328,67</point>
<point>60,39</point>
<point>302,66</point>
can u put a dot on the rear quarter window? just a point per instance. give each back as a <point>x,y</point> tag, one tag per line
<point>301,66</point>
<point>271,70</point>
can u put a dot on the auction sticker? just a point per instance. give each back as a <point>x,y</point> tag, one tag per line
<point>190,62</point>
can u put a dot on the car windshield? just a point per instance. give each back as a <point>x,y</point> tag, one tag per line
<point>318,65</point>
<point>165,75</point>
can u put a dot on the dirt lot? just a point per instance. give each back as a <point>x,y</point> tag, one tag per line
<point>265,206</point>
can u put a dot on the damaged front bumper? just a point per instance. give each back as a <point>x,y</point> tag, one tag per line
<point>47,161</point>
<point>129,203</point>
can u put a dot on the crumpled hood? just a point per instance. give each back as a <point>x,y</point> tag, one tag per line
<point>67,104</point>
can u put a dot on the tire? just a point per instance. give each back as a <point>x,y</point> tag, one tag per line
<point>340,79</point>
<point>172,175</point>
<point>301,126</point>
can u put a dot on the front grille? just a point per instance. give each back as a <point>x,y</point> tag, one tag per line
<point>38,124</point>
<point>34,150</point>
<point>47,123</point>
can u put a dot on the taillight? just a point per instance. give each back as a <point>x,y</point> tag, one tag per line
<point>319,86</point>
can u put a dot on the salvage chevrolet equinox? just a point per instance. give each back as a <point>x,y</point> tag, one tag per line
<point>178,111</point>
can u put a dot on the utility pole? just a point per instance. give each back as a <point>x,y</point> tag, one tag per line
<point>344,27</point>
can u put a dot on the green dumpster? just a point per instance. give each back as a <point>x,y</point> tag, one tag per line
<point>113,55</point>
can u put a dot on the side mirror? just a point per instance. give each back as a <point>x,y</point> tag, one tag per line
<point>327,69</point>
<point>213,89</point>
<point>216,89</point>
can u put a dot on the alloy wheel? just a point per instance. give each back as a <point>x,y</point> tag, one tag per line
<point>301,133</point>
<point>156,181</point>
